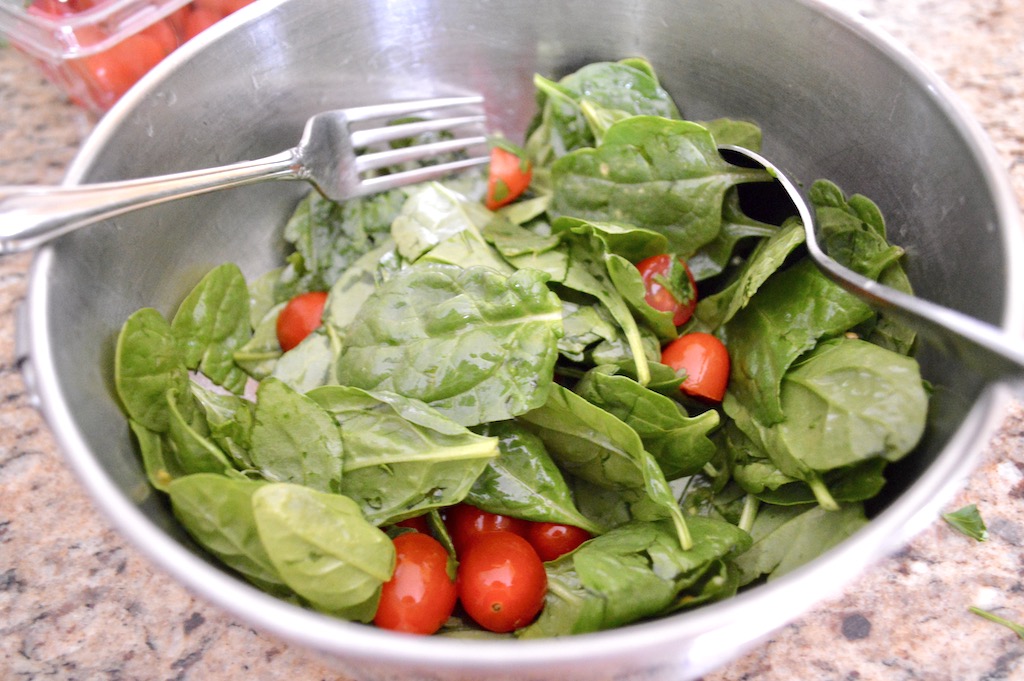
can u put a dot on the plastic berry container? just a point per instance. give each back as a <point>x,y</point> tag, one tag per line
<point>95,50</point>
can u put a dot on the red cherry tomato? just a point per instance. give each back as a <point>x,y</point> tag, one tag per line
<point>501,581</point>
<point>420,595</point>
<point>551,540</point>
<point>509,176</point>
<point>164,33</point>
<point>418,523</point>
<point>299,318</point>
<point>669,286</point>
<point>198,20</point>
<point>706,362</point>
<point>109,74</point>
<point>59,7</point>
<point>465,523</point>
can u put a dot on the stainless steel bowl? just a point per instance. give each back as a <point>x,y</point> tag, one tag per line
<point>835,100</point>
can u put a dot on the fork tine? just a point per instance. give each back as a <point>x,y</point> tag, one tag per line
<point>390,133</point>
<point>382,159</point>
<point>398,109</point>
<point>382,183</point>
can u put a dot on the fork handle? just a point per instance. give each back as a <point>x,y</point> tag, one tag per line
<point>31,215</point>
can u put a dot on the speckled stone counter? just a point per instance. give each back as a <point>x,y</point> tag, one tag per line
<point>76,602</point>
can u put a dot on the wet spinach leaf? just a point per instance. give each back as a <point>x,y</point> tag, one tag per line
<point>323,548</point>
<point>677,441</point>
<point>472,343</point>
<point>217,512</point>
<point>524,482</point>
<point>589,443</point>
<point>658,174</point>
<point>212,323</point>
<point>631,573</point>
<point>402,457</point>
<point>294,439</point>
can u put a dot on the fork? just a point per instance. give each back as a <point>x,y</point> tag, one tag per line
<point>992,353</point>
<point>331,155</point>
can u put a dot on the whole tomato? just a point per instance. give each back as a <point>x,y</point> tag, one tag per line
<point>300,317</point>
<point>501,581</point>
<point>706,362</point>
<point>421,594</point>
<point>465,523</point>
<point>109,74</point>
<point>552,540</point>
<point>669,286</point>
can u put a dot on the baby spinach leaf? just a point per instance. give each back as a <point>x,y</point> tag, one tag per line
<point>785,319</point>
<point>630,573</point>
<point>473,343</point>
<point>715,310</point>
<point>735,132</point>
<point>616,88</point>
<point>442,226</point>
<point>968,521</point>
<point>328,237</point>
<point>786,537</point>
<point>217,512</point>
<point>679,443</point>
<point>230,420</point>
<point>147,366</point>
<point>311,363</point>
<point>853,232</point>
<point>524,482</point>
<point>193,451</point>
<point>847,402</point>
<point>583,326</point>
<point>159,466</point>
<point>714,257</point>
<point>850,400</point>
<point>588,272</point>
<point>212,322</point>
<point>401,457</point>
<point>589,443</point>
<point>323,548</point>
<point>525,249</point>
<point>258,356</point>
<point>295,440</point>
<point>663,175</point>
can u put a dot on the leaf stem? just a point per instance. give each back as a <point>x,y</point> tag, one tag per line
<point>749,513</point>
<point>821,492</point>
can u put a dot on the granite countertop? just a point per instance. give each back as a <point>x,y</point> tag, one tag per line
<point>76,602</point>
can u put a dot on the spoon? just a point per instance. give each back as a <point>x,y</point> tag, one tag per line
<point>990,351</point>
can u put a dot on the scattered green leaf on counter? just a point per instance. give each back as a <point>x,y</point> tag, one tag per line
<point>992,617</point>
<point>968,521</point>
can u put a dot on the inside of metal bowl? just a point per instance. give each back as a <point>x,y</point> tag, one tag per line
<point>834,101</point>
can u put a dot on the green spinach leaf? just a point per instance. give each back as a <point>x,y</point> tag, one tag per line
<point>217,512</point>
<point>788,315</point>
<point>473,343</point>
<point>295,440</point>
<point>401,457</point>
<point>653,173</point>
<point>678,442</point>
<point>524,482</point>
<point>323,548</point>
<point>589,443</point>
<point>212,323</point>
<point>632,572</point>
